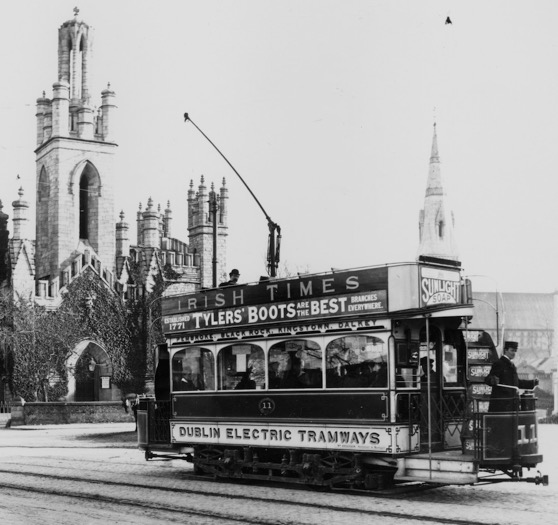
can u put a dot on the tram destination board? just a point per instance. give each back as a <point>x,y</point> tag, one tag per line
<point>337,294</point>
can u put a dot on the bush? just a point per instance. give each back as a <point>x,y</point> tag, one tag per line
<point>552,419</point>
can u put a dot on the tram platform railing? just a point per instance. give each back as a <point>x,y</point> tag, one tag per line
<point>153,422</point>
<point>443,429</point>
<point>496,437</point>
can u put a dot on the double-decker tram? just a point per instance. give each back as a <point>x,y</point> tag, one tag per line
<point>357,378</point>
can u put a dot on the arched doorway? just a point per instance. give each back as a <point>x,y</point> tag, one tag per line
<point>85,378</point>
<point>90,374</point>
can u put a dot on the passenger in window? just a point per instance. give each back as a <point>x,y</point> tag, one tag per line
<point>424,364</point>
<point>274,376</point>
<point>367,374</point>
<point>187,380</point>
<point>246,383</point>
<point>176,374</point>
<point>353,377</point>
<point>381,374</point>
<point>333,379</point>
<point>296,376</point>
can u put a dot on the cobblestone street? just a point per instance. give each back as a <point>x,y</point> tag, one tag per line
<point>59,458</point>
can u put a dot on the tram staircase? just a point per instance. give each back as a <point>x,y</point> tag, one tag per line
<point>444,467</point>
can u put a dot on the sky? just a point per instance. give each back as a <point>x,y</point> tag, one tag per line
<point>326,109</point>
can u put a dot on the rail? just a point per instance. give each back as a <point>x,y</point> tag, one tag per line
<point>503,428</point>
<point>158,417</point>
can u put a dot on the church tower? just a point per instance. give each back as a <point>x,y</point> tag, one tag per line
<point>436,222</point>
<point>74,162</point>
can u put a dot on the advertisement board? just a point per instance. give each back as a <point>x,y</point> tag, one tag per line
<point>329,437</point>
<point>439,286</point>
<point>339,294</point>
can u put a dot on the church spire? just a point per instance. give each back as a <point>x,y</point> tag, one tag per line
<point>434,157</point>
<point>436,223</point>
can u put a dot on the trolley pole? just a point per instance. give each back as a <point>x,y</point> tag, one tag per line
<point>274,239</point>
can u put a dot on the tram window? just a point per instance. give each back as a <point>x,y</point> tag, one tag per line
<point>295,364</point>
<point>241,367</point>
<point>193,369</point>
<point>357,361</point>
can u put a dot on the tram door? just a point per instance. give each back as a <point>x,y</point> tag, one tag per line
<point>442,387</point>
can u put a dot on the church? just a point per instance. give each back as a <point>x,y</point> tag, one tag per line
<point>78,231</point>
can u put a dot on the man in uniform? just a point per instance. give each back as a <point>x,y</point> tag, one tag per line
<point>233,278</point>
<point>503,375</point>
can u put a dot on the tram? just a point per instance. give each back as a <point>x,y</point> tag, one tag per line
<point>364,378</point>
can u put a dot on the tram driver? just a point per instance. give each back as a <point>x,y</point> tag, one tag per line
<point>505,382</point>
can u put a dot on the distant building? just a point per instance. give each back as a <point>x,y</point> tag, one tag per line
<point>526,318</point>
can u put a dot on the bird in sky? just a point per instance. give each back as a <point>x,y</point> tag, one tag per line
<point>448,21</point>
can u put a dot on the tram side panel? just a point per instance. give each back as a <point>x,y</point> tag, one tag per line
<point>348,421</point>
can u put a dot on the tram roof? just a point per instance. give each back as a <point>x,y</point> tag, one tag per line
<point>177,288</point>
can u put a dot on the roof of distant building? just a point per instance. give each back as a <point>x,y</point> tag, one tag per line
<point>517,311</point>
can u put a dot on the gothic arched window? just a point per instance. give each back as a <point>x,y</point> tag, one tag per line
<point>89,192</point>
<point>83,206</point>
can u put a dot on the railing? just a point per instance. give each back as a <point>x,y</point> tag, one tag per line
<point>447,416</point>
<point>158,416</point>
<point>5,407</point>
<point>503,431</point>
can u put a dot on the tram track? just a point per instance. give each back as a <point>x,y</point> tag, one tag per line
<point>27,482</point>
<point>181,511</point>
<point>393,492</point>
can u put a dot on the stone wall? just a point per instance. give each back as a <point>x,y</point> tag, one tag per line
<point>60,413</point>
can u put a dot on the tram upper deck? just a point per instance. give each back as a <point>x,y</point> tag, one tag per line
<point>387,291</point>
